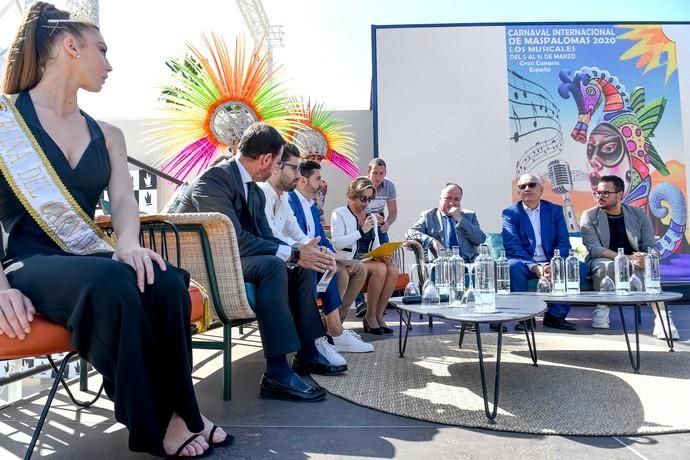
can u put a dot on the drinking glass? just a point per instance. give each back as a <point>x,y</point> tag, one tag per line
<point>412,288</point>
<point>430,295</point>
<point>607,284</point>
<point>635,281</point>
<point>543,285</point>
<point>469,297</point>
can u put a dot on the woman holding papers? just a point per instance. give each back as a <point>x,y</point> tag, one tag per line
<point>353,233</point>
<point>128,311</point>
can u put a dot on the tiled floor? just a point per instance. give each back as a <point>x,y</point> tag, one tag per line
<point>332,429</point>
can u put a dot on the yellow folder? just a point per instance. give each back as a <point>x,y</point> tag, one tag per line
<point>386,249</point>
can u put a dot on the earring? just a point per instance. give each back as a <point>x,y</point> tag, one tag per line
<point>78,56</point>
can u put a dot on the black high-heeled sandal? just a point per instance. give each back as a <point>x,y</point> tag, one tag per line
<point>371,330</point>
<point>387,330</point>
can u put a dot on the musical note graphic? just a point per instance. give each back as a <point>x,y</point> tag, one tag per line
<point>542,135</point>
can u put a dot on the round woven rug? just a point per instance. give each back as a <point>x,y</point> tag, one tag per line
<point>584,385</point>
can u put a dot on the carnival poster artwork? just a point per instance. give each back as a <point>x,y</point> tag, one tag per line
<point>590,100</point>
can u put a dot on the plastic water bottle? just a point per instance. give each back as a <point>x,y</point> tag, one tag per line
<point>457,277</point>
<point>652,275</point>
<point>485,274</point>
<point>572,274</point>
<point>502,275</point>
<point>621,265</point>
<point>557,274</point>
<point>443,272</point>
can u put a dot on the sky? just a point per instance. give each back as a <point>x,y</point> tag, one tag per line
<point>327,52</point>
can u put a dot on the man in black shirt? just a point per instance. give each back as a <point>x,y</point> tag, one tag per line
<point>609,226</point>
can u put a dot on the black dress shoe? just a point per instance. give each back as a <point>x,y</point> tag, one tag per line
<point>295,389</point>
<point>521,325</point>
<point>558,323</point>
<point>321,366</point>
<point>494,327</point>
<point>387,330</point>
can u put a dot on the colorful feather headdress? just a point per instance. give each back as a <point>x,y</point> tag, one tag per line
<point>322,136</point>
<point>210,103</point>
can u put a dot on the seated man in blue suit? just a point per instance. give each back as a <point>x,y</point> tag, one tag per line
<point>532,229</point>
<point>349,278</point>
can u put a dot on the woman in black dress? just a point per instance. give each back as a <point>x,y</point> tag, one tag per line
<point>128,312</point>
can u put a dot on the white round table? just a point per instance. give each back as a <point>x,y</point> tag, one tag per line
<point>508,308</point>
<point>613,300</point>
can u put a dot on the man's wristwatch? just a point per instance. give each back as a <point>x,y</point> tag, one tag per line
<point>294,255</point>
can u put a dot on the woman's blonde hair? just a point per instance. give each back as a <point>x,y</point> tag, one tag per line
<point>43,25</point>
<point>357,187</point>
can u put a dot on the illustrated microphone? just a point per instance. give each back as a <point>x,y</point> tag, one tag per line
<point>561,179</point>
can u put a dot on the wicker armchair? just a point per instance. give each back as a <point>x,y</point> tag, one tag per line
<point>208,251</point>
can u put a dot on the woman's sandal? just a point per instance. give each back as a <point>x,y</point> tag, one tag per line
<point>185,444</point>
<point>228,441</point>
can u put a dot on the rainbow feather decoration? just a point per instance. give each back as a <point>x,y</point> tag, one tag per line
<point>322,136</point>
<point>213,98</point>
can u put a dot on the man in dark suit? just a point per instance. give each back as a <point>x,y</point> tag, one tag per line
<point>449,225</point>
<point>532,229</point>
<point>285,306</point>
<point>349,278</point>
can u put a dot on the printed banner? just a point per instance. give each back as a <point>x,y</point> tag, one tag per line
<point>592,100</point>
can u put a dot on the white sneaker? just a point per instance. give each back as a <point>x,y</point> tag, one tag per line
<point>600,317</point>
<point>659,330</point>
<point>329,352</point>
<point>350,342</point>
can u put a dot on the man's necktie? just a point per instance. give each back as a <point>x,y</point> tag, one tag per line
<point>451,235</point>
<point>251,197</point>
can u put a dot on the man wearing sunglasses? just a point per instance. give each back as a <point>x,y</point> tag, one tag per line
<point>532,229</point>
<point>610,225</point>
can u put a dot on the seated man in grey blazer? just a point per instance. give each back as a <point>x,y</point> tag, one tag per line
<point>611,225</point>
<point>448,225</point>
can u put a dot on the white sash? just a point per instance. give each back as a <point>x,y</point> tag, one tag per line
<point>40,190</point>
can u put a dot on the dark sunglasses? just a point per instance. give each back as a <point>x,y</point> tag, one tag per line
<point>529,184</point>
<point>366,199</point>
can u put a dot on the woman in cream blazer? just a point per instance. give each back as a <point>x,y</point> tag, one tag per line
<point>353,234</point>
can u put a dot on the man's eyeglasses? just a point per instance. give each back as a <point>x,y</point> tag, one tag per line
<point>366,199</point>
<point>529,184</point>
<point>283,163</point>
<point>603,194</point>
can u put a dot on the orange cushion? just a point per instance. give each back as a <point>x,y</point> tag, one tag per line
<point>47,338</point>
<point>197,304</point>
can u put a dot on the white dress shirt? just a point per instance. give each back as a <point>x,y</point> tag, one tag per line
<point>535,220</point>
<point>309,217</point>
<point>280,216</point>
<point>284,251</point>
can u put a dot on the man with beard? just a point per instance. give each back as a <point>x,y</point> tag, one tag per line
<point>611,225</point>
<point>285,306</point>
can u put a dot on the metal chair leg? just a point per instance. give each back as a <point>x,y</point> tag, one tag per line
<point>83,404</point>
<point>46,407</point>
<point>227,362</point>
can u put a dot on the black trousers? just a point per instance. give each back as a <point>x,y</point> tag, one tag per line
<point>140,343</point>
<point>285,305</point>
